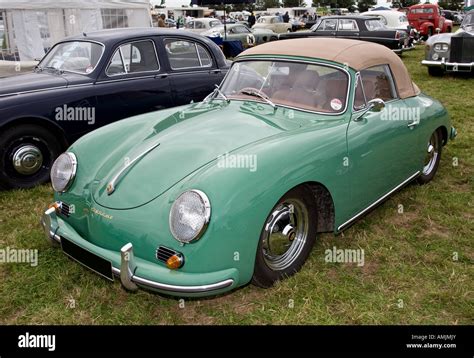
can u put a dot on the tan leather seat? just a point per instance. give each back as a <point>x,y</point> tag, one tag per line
<point>302,92</point>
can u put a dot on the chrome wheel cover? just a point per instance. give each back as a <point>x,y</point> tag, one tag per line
<point>285,234</point>
<point>432,154</point>
<point>27,159</point>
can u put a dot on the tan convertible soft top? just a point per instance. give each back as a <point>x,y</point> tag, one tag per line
<point>358,55</point>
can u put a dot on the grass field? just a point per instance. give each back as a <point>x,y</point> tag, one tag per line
<point>418,264</point>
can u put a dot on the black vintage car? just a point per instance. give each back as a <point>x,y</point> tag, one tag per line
<point>365,28</point>
<point>87,81</point>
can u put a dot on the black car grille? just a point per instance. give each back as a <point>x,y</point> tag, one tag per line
<point>164,253</point>
<point>64,209</point>
<point>462,49</point>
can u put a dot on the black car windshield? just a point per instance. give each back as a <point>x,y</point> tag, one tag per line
<point>73,56</point>
<point>311,87</point>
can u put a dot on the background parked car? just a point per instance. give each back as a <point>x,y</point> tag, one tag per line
<point>87,81</point>
<point>364,28</point>
<point>427,19</point>
<point>274,23</point>
<point>394,20</point>
<point>248,37</point>
<point>201,24</point>
<point>452,52</point>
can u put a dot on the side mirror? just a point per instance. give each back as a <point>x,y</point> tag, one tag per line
<point>376,105</point>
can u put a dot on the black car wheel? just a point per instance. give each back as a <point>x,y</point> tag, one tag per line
<point>287,237</point>
<point>435,71</point>
<point>27,153</point>
<point>432,159</point>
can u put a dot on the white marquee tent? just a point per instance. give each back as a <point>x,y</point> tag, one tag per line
<point>28,28</point>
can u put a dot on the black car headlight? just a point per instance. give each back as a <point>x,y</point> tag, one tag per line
<point>63,172</point>
<point>189,216</point>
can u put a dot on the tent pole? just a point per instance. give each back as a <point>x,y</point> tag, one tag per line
<point>225,24</point>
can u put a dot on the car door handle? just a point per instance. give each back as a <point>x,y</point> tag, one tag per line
<point>163,75</point>
<point>216,71</point>
<point>412,124</point>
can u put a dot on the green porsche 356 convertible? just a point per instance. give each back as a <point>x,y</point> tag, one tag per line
<point>299,139</point>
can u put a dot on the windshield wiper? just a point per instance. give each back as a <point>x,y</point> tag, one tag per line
<point>258,94</point>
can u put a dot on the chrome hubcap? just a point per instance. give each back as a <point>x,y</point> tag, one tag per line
<point>27,160</point>
<point>285,234</point>
<point>432,154</point>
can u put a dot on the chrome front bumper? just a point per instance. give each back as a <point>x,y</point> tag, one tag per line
<point>450,66</point>
<point>128,266</point>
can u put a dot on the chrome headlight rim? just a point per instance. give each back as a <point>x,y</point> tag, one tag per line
<point>207,215</point>
<point>72,157</point>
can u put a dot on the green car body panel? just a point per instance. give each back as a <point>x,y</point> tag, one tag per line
<point>356,162</point>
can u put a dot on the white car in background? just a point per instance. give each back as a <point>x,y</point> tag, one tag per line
<point>273,23</point>
<point>396,20</point>
<point>202,24</point>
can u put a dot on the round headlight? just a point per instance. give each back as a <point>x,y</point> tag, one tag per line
<point>189,216</point>
<point>63,171</point>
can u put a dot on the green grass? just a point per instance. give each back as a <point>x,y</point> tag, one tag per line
<point>409,276</point>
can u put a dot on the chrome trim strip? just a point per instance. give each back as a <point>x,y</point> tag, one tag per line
<point>444,63</point>
<point>130,78</point>
<point>115,179</point>
<point>378,200</point>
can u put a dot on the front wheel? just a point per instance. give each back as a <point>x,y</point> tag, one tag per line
<point>432,157</point>
<point>27,153</point>
<point>288,234</point>
<point>435,71</point>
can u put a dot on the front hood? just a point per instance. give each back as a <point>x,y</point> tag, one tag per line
<point>182,143</point>
<point>30,82</point>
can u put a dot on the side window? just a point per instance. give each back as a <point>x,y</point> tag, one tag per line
<point>134,57</point>
<point>186,54</point>
<point>328,25</point>
<point>378,83</point>
<point>359,98</point>
<point>347,25</point>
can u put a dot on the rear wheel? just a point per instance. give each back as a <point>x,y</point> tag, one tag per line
<point>432,158</point>
<point>287,237</point>
<point>27,153</point>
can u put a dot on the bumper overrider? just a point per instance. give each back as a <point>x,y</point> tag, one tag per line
<point>126,266</point>
<point>450,66</point>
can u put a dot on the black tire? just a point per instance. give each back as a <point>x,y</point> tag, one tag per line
<point>273,38</point>
<point>431,167</point>
<point>264,274</point>
<point>435,71</point>
<point>27,135</point>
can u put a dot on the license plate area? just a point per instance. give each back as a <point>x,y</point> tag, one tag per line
<point>93,262</point>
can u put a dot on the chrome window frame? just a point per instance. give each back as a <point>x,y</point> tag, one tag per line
<point>353,20</point>
<point>119,48</point>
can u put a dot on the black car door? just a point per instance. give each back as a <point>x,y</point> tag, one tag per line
<point>133,82</point>
<point>348,29</point>
<point>192,69</point>
<point>327,28</point>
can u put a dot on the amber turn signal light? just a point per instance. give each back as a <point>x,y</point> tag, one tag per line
<point>175,262</point>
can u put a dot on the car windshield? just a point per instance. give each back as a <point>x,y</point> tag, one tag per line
<point>374,25</point>
<point>468,20</point>
<point>74,56</point>
<point>311,87</point>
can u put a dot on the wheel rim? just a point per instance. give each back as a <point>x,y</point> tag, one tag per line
<point>432,154</point>
<point>27,159</point>
<point>285,234</point>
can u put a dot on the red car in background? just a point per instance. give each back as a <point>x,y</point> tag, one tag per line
<point>427,19</point>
